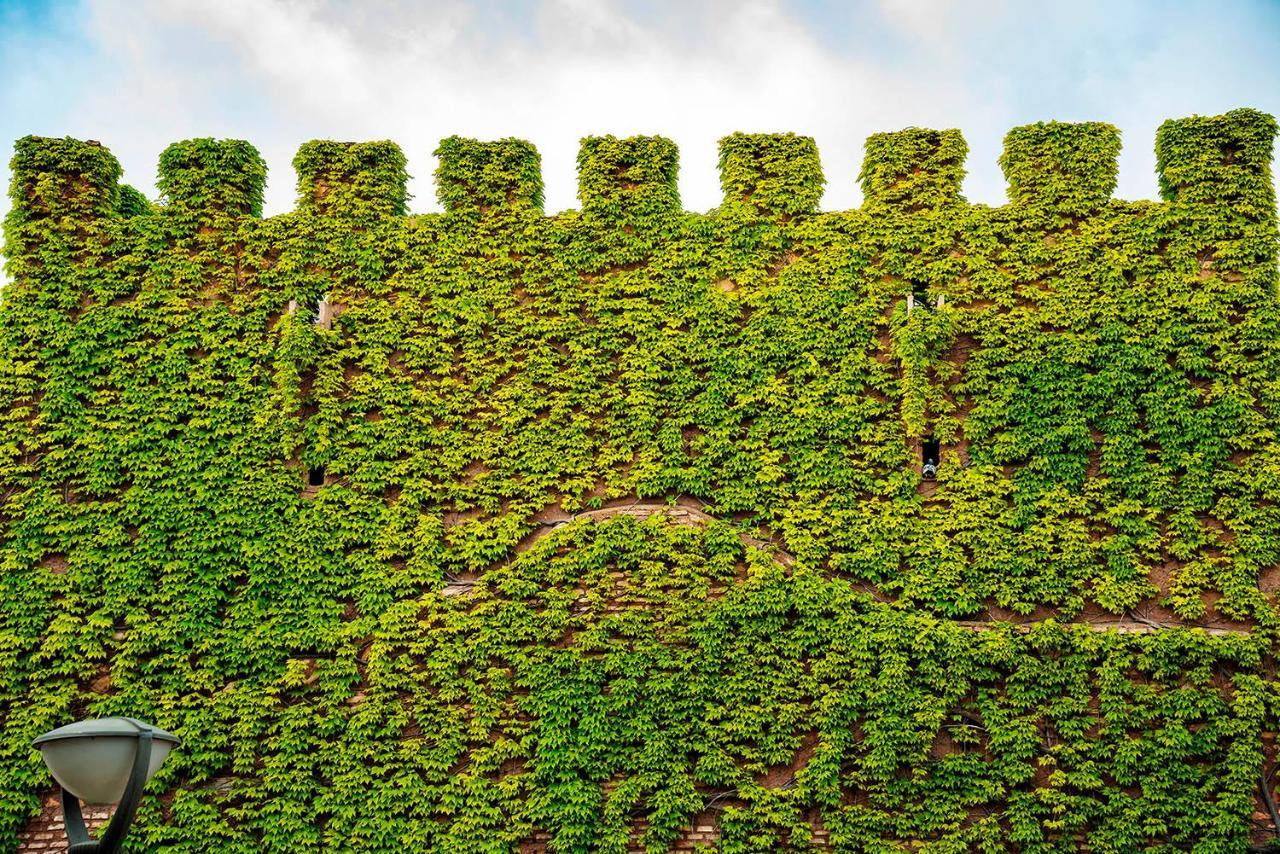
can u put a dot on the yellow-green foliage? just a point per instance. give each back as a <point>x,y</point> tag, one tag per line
<point>483,176</point>
<point>1104,378</point>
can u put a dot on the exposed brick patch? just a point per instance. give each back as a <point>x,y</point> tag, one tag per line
<point>47,833</point>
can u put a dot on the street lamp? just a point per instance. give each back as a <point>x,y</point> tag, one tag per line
<point>103,761</point>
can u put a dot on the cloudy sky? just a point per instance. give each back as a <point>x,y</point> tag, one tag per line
<point>139,74</point>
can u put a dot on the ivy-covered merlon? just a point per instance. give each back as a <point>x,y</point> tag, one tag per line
<point>481,177</point>
<point>1203,160</point>
<point>632,178</point>
<point>351,179</point>
<point>1064,167</point>
<point>493,529</point>
<point>63,178</point>
<point>914,169</point>
<point>773,174</point>
<point>209,180</point>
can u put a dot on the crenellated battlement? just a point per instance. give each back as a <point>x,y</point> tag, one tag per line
<point>1054,166</point>
<point>940,288</point>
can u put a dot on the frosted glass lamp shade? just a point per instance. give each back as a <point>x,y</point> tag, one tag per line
<point>93,760</point>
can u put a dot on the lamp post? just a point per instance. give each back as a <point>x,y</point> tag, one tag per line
<point>103,761</point>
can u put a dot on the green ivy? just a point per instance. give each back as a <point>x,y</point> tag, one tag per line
<point>465,640</point>
<point>360,180</point>
<point>484,176</point>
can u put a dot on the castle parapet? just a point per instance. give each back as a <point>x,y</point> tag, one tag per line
<point>770,174</point>
<point>482,177</point>
<point>353,180</point>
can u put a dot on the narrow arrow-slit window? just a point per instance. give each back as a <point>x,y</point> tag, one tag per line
<point>930,455</point>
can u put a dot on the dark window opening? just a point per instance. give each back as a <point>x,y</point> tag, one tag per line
<point>310,310</point>
<point>930,456</point>
<point>315,476</point>
<point>315,311</point>
<point>919,294</point>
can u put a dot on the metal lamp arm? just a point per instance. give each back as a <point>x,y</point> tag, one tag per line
<point>110,841</point>
<point>78,838</point>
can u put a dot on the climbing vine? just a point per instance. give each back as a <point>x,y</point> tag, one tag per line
<point>592,528</point>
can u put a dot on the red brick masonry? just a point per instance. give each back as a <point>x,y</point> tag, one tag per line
<point>46,831</point>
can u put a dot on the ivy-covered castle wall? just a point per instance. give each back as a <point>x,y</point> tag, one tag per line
<point>496,531</point>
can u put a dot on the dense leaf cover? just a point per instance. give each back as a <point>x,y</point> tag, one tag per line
<point>841,647</point>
